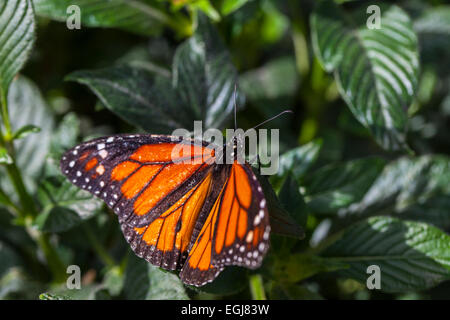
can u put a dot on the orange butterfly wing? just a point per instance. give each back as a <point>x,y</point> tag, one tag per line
<point>143,179</point>
<point>236,231</point>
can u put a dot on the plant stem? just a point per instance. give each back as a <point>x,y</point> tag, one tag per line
<point>98,247</point>
<point>54,262</point>
<point>257,287</point>
<point>5,116</point>
<point>28,208</point>
<point>27,211</point>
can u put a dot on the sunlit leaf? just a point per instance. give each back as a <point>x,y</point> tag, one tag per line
<point>338,185</point>
<point>144,17</point>
<point>412,188</point>
<point>376,69</point>
<point>16,39</point>
<point>410,255</point>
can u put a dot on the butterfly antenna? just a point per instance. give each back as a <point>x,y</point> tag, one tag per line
<point>235,108</point>
<point>274,117</point>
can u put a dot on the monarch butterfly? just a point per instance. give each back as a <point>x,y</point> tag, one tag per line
<point>191,213</point>
<point>197,216</point>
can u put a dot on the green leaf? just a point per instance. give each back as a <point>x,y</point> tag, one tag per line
<point>15,282</point>
<point>206,7</point>
<point>57,219</point>
<point>411,255</point>
<point>143,17</point>
<point>411,188</point>
<point>8,259</point>
<point>65,135</point>
<point>143,100</point>
<point>230,281</point>
<point>376,69</point>
<point>293,201</point>
<point>281,221</point>
<point>338,185</point>
<point>434,20</point>
<point>17,28</point>
<point>25,131</point>
<point>136,280</point>
<point>145,281</point>
<point>5,158</point>
<point>205,76</point>
<point>293,292</point>
<point>87,292</point>
<point>201,87</point>
<point>27,107</point>
<point>299,160</point>
<point>293,268</point>
<point>50,296</point>
<point>164,285</point>
<point>64,205</point>
<point>229,6</point>
<point>114,280</point>
<point>272,86</point>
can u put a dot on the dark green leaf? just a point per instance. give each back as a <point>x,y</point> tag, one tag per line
<point>299,160</point>
<point>145,281</point>
<point>64,205</point>
<point>281,221</point>
<point>411,255</point>
<point>230,281</point>
<point>8,259</point>
<point>204,75</point>
<point>376,69</point>
<point>293,202</point>
<point>201,87</point>
<point>412,188</point>
<point>293,268</point>
<point>16,39</point>
<point>139,98</point>
<point>337,186</point>
<point>136,281</point>
<point>57,219</point>
<point>293,292</point>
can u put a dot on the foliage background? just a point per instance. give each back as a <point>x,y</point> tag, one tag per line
<point>364,167</point>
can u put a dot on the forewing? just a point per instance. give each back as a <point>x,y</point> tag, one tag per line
<point>156,192</point>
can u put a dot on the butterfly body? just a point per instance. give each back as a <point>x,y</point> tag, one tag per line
<point>177,210</point>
